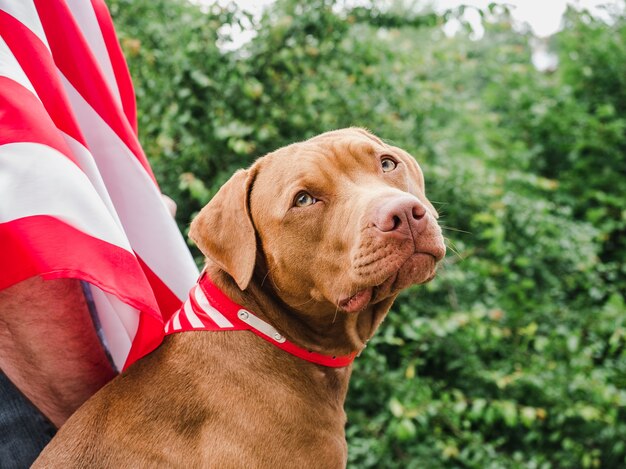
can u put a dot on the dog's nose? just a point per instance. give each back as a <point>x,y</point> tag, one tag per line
<point>398,214</point>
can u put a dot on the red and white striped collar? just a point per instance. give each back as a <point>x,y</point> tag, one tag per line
<point>209,309</point>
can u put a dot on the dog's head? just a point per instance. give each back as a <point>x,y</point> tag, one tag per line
<point>339,222</point>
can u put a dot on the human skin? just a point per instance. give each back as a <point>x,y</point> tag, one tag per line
<point>55,362</point>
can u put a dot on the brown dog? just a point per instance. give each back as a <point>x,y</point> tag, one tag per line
<point>316,239</point>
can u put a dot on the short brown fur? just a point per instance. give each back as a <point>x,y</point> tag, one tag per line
<point>231,399</point>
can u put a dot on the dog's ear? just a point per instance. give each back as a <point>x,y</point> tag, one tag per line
<point>223,229</point>
<point>417,178</point>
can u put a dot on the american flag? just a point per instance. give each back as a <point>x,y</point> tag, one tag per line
<point>77,196</point>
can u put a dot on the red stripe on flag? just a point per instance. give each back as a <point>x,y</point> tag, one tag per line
<point>36,61</point>
<point>122,75</point>
<point>23,119</point>
<point>46,246</point>
<point>168,302</point>
<point>149,336</point>
<point>75,60</point>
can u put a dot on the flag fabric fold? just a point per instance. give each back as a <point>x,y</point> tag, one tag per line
<point>78,198</point>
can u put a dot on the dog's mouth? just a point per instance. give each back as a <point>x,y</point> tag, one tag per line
<point>357,302</point>
<point>419,268</point>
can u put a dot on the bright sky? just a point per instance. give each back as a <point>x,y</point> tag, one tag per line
<point>543,16</point>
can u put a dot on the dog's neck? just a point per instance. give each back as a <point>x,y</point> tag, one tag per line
<point>331,333</point>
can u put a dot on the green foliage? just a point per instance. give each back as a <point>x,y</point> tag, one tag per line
<point>515,356</point>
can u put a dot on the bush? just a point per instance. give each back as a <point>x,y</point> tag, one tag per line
<point>515,355</point>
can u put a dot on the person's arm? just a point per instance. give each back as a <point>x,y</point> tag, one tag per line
<point>48,346</point>
<point>170,204</point>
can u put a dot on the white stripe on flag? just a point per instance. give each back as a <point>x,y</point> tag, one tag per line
<point>25,12</point>
<point>146,220</point>
<point>36,179</point>
<point>119,324</point>
<point>191,316</point>
<point>214,314</point>
<point>10,68</point>
<point>85,16</point>
<point>85,161</point>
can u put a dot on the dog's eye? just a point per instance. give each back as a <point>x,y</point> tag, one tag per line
<point>388,164</point>
<point>304,199</point>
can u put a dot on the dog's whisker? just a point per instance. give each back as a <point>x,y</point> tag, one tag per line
<point>454,229</point>
<point>445,262</point>
<point>453,248</point>
<point>265,277</point>
<point>306,302</point>
<point>269,271</point>
<point>449,240</point>
<point>276,287</point>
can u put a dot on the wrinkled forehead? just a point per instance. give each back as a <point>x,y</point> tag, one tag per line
<point>321,159</point>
